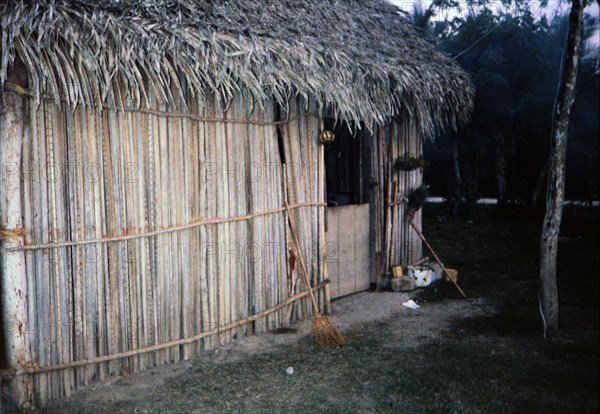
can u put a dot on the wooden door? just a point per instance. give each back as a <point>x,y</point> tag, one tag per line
<point>348,258</point>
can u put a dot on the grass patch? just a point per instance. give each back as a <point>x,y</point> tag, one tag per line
<point>491,364</point>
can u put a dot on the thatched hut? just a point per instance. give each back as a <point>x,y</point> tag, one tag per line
<point>148,149</point>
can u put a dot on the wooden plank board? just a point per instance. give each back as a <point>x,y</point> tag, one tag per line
<point>333,258</point>
<point>347,261</point>
<point>361,246</point>
<point>348,231</point>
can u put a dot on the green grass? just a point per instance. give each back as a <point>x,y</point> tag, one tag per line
<point>493,364</point>
<point>475,375</point>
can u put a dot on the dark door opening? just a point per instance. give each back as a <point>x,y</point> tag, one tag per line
<point>344,165</point>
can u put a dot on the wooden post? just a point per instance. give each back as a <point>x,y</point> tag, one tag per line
<point>322,222</point>
<point>14,277</point>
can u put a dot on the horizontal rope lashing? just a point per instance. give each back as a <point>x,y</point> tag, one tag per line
<point>172,229</point>
<point>23,92</point>
<point>218,120</point>
<point>9,233</point>
<point>32,369</point>
<point>18,89</point>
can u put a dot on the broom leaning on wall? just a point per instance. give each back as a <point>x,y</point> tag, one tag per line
<point>416,199</point>
<point>323,330</point>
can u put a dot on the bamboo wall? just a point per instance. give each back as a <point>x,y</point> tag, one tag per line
<point>304,157</point>
<point>393,241</point>
<point>129,246</point>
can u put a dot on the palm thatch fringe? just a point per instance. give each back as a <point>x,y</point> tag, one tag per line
<point>360,59</point>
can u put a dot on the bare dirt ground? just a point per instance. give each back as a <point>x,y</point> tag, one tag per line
<point>357,316</point>
<point>482,355</point>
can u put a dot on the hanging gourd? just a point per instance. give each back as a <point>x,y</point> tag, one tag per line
<point>325,136</point>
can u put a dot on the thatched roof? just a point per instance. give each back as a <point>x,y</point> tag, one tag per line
<point>360,57</point>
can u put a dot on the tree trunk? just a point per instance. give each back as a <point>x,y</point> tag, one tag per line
<point>513,184</point>
<point>457,177</point>
<point>590,182</point>
<point>539,183</point>
<point>556,172</point>
<point>498,136</point>
<point>12,264</point>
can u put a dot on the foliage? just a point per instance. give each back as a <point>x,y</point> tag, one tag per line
<point>408,162</point>
<point>513,54</point>
<point>417,197</point>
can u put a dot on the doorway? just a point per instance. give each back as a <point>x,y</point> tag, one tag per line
<point>347,220</point>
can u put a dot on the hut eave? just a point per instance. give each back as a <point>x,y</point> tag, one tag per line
<point>80,52</point>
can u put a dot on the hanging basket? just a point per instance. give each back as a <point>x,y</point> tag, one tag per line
<point>408,162</point>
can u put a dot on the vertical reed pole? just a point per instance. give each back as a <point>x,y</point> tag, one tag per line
<point>419,216</point>
<point>322,212</point>
<point>211,178</point>
<point>203,208</point>
<point>14,275</point>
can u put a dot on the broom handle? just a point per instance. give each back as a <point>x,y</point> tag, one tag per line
<point>437,259</point>
<point>301,260</point>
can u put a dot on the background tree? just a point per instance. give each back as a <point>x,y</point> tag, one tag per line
<point>515,60</point>
<point>556,179</point>
<point>514,57</point>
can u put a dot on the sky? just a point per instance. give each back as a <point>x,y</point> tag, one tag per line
<point>554,7</point>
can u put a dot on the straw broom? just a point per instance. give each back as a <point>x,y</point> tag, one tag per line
<point>416,199</point>
<point>322,328</point>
